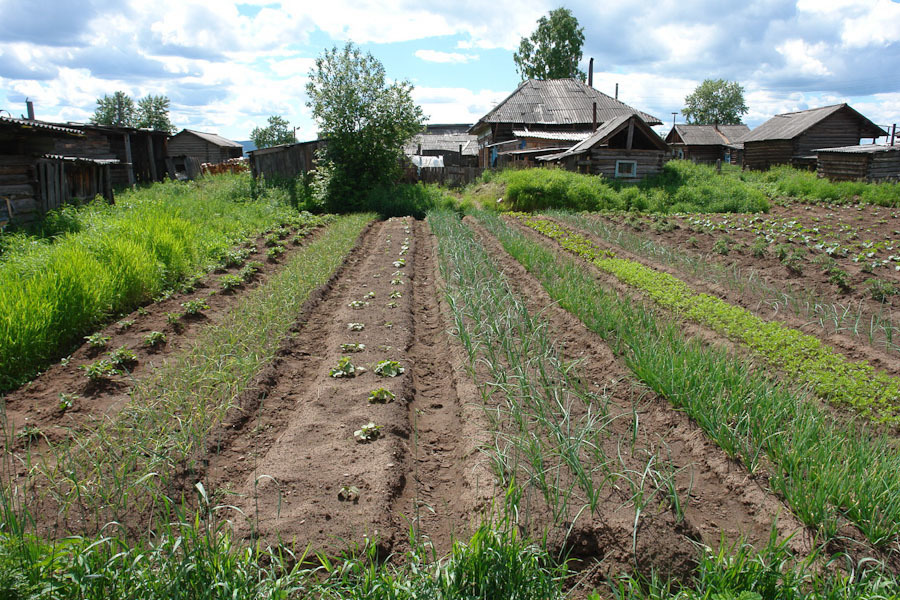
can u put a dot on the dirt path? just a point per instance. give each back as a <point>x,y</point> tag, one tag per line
<point>38,404</point>
<point>294,468</point>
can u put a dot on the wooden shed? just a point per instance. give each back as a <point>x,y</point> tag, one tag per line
<point>705,143</point>
<point>868,162</point>
<point>793,138</point>
<point>284,160</point>
<point>625,147</point>
<point>452,143</point>
<point>546,107</point>
<point>35,179</point>
<point>140,153</point>
<point>204,147</point>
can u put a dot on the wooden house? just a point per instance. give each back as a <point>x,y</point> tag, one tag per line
<point>452,143</point>
<point>793,138</point>
<point>284,161</point>
<point>35,177</point>
<point>140,153</point>
<point>705,143</point>
<point>204,147</point>
<point>625,147</point>
<point>869,162</point>
<point>539,109</point>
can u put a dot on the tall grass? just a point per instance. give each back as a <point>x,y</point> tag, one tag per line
<point>808,186</point>
<point>124,466</point>
<point>682,186</point>
<point>109,259</point>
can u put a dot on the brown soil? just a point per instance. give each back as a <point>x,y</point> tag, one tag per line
<point>680,433</point>
<point>37,404</point>
<point>287,464</point>
<point>812,284</point>
<point>721,498</point>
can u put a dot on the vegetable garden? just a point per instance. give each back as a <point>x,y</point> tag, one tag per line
<point>210,394</point>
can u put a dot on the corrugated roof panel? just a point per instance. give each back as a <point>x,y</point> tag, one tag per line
<point>26,123</point>
<point>711,135</point>
<point>787,126</point>
<point>215,138</point>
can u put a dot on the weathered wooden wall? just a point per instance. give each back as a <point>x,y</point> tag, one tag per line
<point>18,188</point>
<point>842,128</point>
<point>281,162</point>
<point>703,154</point>
<point>842,166</point>
<point>884,166</point>
<point>763,154</point>
<point>188,144</point>
<point>602,161</point>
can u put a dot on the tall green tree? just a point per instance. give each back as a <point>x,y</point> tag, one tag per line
<point>715,101</point>
<point>278,131</point>
<point>364,120</point>
<point>554,49</point>
<point>117,110</point>
<point>153,112</point>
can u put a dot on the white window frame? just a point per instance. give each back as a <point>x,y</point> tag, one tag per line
<point>631,175</point>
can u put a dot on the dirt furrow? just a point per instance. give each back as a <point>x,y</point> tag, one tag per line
<point>719,495</point>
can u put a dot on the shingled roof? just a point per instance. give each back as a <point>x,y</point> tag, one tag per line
<point>709,135</point>
<point>787,126</point>
<point>214,138</point>
<point>604,133</point>
<point>447,142</point>
<point>558,102</point>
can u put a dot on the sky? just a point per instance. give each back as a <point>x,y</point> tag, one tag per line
<point>227,66</point>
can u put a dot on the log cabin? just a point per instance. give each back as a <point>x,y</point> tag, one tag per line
<point>868,162</point>
<point>705,143</point>
<point>625,147</point>
<point>793,138</point>
<point>540,109</point>
<point>204,147</point>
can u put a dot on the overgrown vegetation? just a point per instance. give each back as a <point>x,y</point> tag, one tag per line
<point>86,265</point>
<point>681,187</point>
<point>808,186</point>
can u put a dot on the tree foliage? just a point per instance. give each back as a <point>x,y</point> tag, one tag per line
<point>119,110</point>
<point>278,131</point>
<point>364,120</point>
<point>715,101</point>
<point>153,112</point>
<point>554,49</point>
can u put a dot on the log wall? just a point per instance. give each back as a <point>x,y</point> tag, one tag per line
<point>839,129</point>
<point>602,161</point>
<point>842,166</point>
<point>763,154</point>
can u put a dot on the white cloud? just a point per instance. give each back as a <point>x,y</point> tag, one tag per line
<point>804,59</point>
<point>456,105</point>
<point>445,57</point>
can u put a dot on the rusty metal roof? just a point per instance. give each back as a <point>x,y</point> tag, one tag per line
<point>32,124</point>
<point>558,102</point>
<point>708,135</point>
<point>787,126</point>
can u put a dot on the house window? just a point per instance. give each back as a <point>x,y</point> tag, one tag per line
<point>626,168</point>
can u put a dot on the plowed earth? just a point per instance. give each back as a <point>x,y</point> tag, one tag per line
<point>289,462</point>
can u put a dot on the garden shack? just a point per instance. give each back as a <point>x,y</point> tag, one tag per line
<point>140,154</point>
<point>203,147</point>
<point>705,143</point>
<point>533,116</point>
<point>867,162</point>
<point>625,147</point>
<point>34,178</point>
<point>793,138</point>
<point>284,161</point>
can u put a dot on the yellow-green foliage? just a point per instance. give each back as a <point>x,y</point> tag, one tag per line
<point>803,357</point>
<point>54,291</point>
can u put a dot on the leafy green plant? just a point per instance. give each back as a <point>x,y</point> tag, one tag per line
<point>29,433</point>
<point>346,368</point>
<point>370,295</point>
<point>367,433</point>
<point>881,289</point>
<point>195,307</point>
<point>122,356</point>
<point>174,318</point>
<point>392,305</point>
<point>722,246</point>
<point>357,304</point>
<point>348,493</point>
<point>840,278</point>
<point>388,368</point>
<point>125,324</point>
<point>396,281</point>
<point>275,252</point>
<point>250,270</point>
<point>352,347</point>
<point>231,282</point>
<point>399,263</point>
<point>759,248</point>
<point>793,260</point>
<point>154,338</point>
<point>99,369</point>
<point>693,242</point>
<point>67,401</point>
<point>97,340</point>
<point>356,326</point>
<point>396,294</point>
<point>381,396</point>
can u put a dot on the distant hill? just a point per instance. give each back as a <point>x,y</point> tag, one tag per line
<point>248,145</point>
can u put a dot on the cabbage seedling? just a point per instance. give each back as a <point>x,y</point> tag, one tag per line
<point>388,368</point>
<point>367,433</point>
<point>352,347</point>
<point>97,340</point>
<point>381,396</point>
<point>358,304</point>
<point>356,326</point>
<point>345,368</point>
